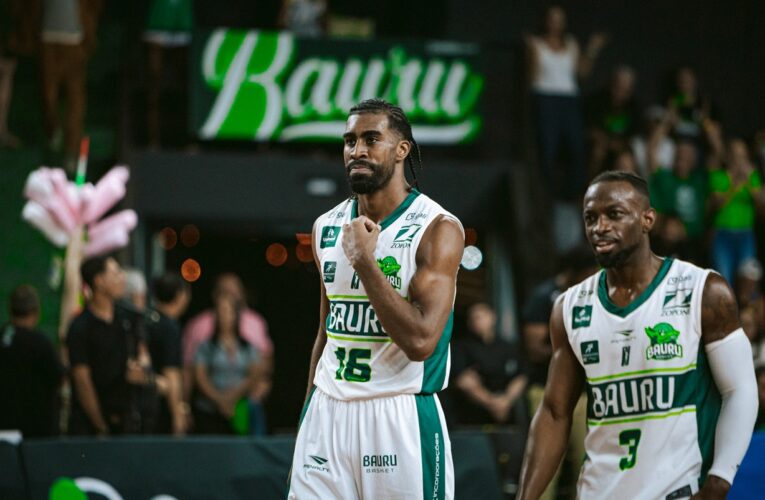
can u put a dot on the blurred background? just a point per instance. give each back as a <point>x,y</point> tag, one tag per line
<point>229,116</point>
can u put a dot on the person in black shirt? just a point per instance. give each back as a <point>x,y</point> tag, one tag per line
<point>30,371</point>
<point>102,346</point>
<point>486,370</point>
<point>577,264</point>
<point>171,297</point>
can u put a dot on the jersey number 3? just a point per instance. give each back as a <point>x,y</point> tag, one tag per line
<point>629,438</point>
<point>353,370</point>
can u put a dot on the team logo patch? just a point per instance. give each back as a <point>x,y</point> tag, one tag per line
<point>405,236</point>
<point>379,464</point>
<point>581,317</point>
<point>329,236</point>
<point>330,267</point>
<point>390,268</point>
<point>590,352</point>
<point>664,344</point>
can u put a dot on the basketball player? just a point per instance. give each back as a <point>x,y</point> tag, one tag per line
<point>657,345</point>
<point>372,426</point>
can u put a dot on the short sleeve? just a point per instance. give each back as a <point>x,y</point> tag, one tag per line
<point>77,343</point>
<point>755,180</point>
<point>203,354</point>
<point>718,181</point>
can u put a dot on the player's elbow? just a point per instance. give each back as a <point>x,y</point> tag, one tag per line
<point>420,349</point>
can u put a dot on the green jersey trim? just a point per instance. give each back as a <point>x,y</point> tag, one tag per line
<point>432,447</point>
<point>624,311</point>
<point>341,297</point>
<point>708,403</point>
<point>398,212</point>
<point>358,339</point>
<point>679,369</point>
<point>434,374</point>
<point>657,416</point>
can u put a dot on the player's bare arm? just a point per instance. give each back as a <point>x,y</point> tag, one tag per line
<point>720,320</point>
<point>321,336</point>
<point>415,325</point>
<point>548,435</point>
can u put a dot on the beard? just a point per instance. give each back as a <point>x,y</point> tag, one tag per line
<point>617,258</point>
<point>367,184</point>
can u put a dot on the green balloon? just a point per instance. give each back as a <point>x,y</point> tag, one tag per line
<point>66,489</point>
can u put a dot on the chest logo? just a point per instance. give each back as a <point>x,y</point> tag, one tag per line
<point>581,317</point>
<point>390,268</point>
<point>405,236</point>
<point>677,303</point>
<point>590,352</point>
<point>329,236</point>
<point>664,344</point>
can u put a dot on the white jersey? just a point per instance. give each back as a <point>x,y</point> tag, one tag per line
<point>652,405</point>
<point>360,360</point>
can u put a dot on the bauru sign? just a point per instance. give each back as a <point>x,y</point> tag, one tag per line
<point>272,86</point>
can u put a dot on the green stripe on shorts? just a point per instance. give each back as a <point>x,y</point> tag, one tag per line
<point>305,406</point>
<point>431,448</point>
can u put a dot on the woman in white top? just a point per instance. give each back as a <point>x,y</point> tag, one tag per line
<point>555,64</point>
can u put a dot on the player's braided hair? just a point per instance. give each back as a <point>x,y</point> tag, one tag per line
<point>398,121</point>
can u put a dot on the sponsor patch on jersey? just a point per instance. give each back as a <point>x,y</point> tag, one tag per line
<point>329,236</point>
<point>390,268</point>
<point>581,317</point>
<point>590,352</point>
<point>677,302</point>
<point>330,267</point>
<point>664,344</point>
<point>412,216</point>
<point>405,236</point>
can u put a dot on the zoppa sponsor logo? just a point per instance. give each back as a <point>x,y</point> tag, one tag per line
<point>329,236</point>
<point>581,317</point>
<point>405,236</point>
<point>664,344</point>
<point>677,303</point>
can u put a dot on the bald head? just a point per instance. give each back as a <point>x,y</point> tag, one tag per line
<point>633,182</point>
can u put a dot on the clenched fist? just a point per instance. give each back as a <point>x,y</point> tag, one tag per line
<point>360,240</point>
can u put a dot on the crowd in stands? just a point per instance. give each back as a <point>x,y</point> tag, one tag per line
<point>131,368</point>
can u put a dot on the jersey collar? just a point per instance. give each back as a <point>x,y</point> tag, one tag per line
<point>390,219</point>
<point>605,300</point>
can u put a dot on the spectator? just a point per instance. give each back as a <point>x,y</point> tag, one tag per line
<point>30,371</point>
<point>735,194</point>
<point>103,353</point>
<point>751,303</point>
<point>253,329</point>
<point>167,36</point>
<point>306,18</point>
<point>487,371</point>
<point>226,369</point>
<point>760,422</point>
<point>613,117</point>
<point>135,289</point>
<point>694,111</point>
<point>624,161</point>
<point>555,64</point>
<point>68,39</point>
<point>577,265</point>
<point>679,197</point>
<point>171,297</point>
<point>654,136</point>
